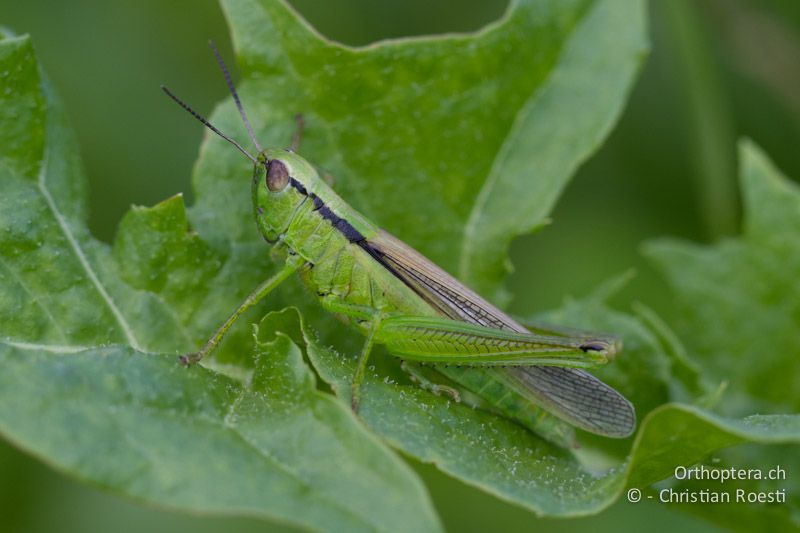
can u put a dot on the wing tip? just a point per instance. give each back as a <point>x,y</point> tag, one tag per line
<point>624,423</point>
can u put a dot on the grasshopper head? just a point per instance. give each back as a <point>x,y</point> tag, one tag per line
<point>280,184</point>
<point>281,179</point>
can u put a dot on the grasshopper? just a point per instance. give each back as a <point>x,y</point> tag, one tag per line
<point>450,340</point>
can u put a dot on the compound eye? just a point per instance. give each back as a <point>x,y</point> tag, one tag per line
<point>277,175</point>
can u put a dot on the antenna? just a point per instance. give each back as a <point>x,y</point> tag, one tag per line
<point>232,89</point>
<point>207,124</point>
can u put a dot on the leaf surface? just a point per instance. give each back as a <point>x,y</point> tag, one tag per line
<point>464,128</point>
<point>82,388</point>
<point>739,307</point>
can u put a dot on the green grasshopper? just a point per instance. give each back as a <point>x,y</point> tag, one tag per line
<point>451,340</point>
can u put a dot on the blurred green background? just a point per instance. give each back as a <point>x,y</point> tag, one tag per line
<point>719,70</point>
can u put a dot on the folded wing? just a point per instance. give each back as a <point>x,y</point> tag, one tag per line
<point>569,393</point>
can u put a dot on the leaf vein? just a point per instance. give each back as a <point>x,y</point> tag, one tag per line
<point>82,259</point>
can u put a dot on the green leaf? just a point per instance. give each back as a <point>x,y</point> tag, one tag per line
<point>739,307</point>
<point>141,425</point>
<point>79,389</point>
<point>511,463</point>
<point>560,125</point>
<point>444,124</point>
<point>739,299</point>
<point>432,132</point>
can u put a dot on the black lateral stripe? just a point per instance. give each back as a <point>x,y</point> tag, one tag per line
<point>327,214</point>
<point>343,226</point>
<point>378,256</point>
<point>347,229</point>
<point>299,186</point>
<point>386,263</point>
<point>382,260</point>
